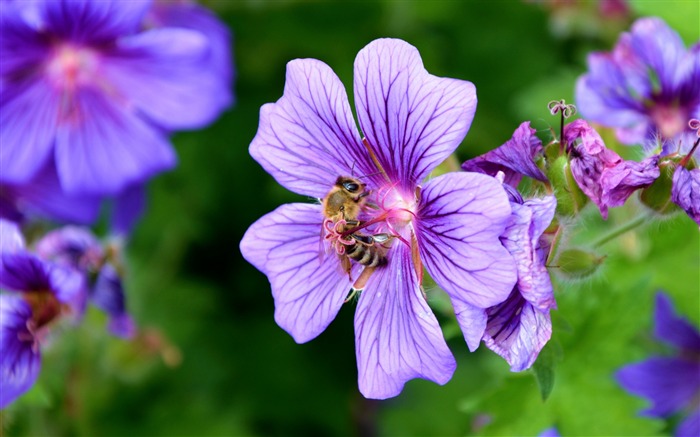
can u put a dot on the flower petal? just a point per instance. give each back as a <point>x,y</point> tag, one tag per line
<point>127,209</point>
<point>11,239</point>
<point>28,114</point>
<point>108,295</point>
<point>589,160</point>
<point>397,337</point>
<point>659,47</point>
<point>309,287</point>
<point>308,137</point>
<point>673,329</point>
<point>23,271</point>
<point>43,196</point>
<point>621,181</point>
<point>460,219</point>
<point>412,119</point>
<point>690,426</point>
<point>162,72</point>
<point>686,191</point>
<point>19,362</point>
<point>93,21</point>
<point>522,239</point>
<point>517,331</point>
<point>102,148</point>
<point>515,158</point>
<point>199,18</point>
<point>669,383</point>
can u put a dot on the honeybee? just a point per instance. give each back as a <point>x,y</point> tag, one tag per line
<point>345,202</point>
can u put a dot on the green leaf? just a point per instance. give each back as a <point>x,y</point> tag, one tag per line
<point>544,370</point>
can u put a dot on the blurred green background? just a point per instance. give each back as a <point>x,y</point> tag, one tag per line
<point>210,360</point>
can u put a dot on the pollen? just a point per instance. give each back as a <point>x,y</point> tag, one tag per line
<point>71,65</point>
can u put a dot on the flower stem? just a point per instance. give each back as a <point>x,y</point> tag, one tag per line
<point>621,230</point>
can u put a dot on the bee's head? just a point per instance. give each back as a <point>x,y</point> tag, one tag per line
<point>352,186</point>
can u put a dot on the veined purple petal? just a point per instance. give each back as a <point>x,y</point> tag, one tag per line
<point>308,137</point>
<point>23,271</point>
<point>28,114</point>
<point>19,361</point>
<point>517,331</point>
<point>308,286</point>
<point>659,47</point>
<point>43,196</point>
<point>412,119</point>
<point>11,239</point>
<point>686,191</point>
<point>472,320</point>
<point>397,337</point>
<point>460,219</point>
<point>161,72</point>
<point>621,181</point>
<point>522,239</point>
<point>515,158</point>
<point>103,148</point>
<point>589,160</point>
<point>690,426</point>
<point>108,295</point>
<point>93,21</point>
<point>673,329</point>
<point>669,383</point>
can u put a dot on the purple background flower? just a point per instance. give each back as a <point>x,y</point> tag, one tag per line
<point>35,294</point>
<point>672,384</point>
<point>412,122</point>
<point>85,88</point>
<point>648,86</point>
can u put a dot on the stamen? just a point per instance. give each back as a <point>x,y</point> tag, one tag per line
<point>374,158</point>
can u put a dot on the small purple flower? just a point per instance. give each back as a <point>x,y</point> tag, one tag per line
<point>648,86</point>
<point>518,328</point>
<point>34,295</point>
<point>601,174</point>
<point>77,248</point>
<point>672,384</point>
<point>550,432</point>
<point>685,191</point>
<point>85,87</point>
<point>515,158</point>
<point>412,121</point>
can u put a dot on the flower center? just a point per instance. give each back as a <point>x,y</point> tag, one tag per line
<point>670,120</point>
<point>400,208</point>
<point>71,65</point>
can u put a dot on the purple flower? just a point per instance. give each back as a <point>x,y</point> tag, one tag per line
<point>412,121</point>
<point>603,176</point>
<point>550,432</point>
<point>515,158</point>
<point>518,328</point>
<point>648,86</point>
<point>685,191</point>
<point>35,294</point>
<point>672,384</point>
<point>83,86</point>
<point>77,248</point>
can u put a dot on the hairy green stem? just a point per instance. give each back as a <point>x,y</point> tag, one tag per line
<point>622,229</point>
